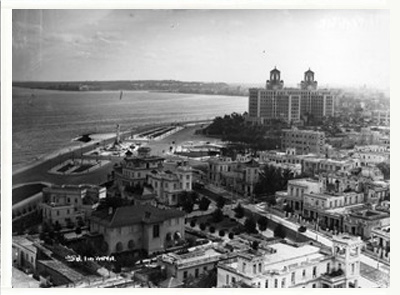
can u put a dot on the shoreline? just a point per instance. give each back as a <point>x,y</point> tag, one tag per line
<point>97,138</point>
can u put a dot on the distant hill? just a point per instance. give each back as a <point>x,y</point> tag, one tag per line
<point>149,85</point>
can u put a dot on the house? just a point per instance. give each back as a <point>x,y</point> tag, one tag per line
<point>168,182</point>
<point>24,253</point>
<point>70,204</point>
<point>138,228</point>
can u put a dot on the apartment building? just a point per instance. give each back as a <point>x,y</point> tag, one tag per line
<point>304,141</point>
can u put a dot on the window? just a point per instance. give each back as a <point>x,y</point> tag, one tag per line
<point>314,273</point>
<point>196,273</point>
<point>276,283</point>
<point>185,274</point>
<point>254,268</point>
<point>227,279</point>
<point>266,283</point>
<point>283,283</point>
<point>314,285</point>
<point>68,200</point>
<point>156,231</point>
<point>293,279</point>
<point>259,267</point>
<point>304,273</point>
<point>187,177</point>
<point>352,268</point>
<point>233,280</point>
<point>58,213</point>
<point>244,267</point>
<point>328,267</point>
<point>205,268</point>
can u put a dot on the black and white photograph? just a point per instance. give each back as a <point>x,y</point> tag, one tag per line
<point>200,148</point>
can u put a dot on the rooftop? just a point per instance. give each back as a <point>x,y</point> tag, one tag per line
<point>129,215</point>
<point>288,255</point>
<point>303,181</point>
<point>24,242</point>
<point>64,270</point>
<point>188,259</point>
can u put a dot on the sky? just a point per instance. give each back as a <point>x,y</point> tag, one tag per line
<point>342,47</point>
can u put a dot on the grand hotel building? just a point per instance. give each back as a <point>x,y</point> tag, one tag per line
<point>289,104</point>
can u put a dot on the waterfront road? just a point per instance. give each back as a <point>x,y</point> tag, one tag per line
<point>39,171</point>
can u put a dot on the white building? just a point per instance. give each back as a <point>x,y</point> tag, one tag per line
<point>68,204</point>
<point>286,266</point>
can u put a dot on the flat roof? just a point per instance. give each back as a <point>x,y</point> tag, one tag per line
<point>24,242</point>
<point>63,269</point>
<point>303,181</point>
<point>287,254</point>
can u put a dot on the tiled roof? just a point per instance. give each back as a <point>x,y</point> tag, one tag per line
<point>129,215</point>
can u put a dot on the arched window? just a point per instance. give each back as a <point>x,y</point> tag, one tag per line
<point>131,244</point>
<point>119,247</point>
<point>104,246</point>
<point>177,236</point>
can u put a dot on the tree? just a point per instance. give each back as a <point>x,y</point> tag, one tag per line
<point>239,211</point>
<point>250,225</point>
<point>262,223</point>
<point>280,231</point>
<point>221,233</point>
<point>217,216</point>
<point>255,245</point>
<point>271,180</point>
<point>187,200</point>
<point>192,223</point>
<point>385,168</point>
<point>220,202</point>
<point>231,235</point>
<point>302,229</point>
<point>204,204</point>
<point>57,226</point>
<point>202,226</point>
<point>78,230</point>
<point>113,202</point>
<point>212,229</point>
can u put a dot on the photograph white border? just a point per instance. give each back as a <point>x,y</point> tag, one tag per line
<point>6,112</point>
